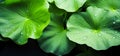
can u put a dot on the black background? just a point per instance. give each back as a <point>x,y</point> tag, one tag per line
<point>9,48</point>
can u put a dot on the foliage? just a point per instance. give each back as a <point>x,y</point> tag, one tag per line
<point>58,25</point>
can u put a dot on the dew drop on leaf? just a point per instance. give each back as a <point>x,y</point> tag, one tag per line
<point>113,37</point>
<point>99,34</point>
<point>84,38</point>
<point>114,22</point>
<point>95,15</point>
<point>116,32</point>
<point>21,33</point>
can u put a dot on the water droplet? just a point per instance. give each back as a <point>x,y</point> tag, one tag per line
<point>99,34</point>
<point>84,38</point>
<point>114,22</point>
<point>116,32</point>
<point>95,14</point>
<point>21,33</point>
<point>113,37</point>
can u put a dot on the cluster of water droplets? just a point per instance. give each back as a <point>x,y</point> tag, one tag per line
<point>116,32</point>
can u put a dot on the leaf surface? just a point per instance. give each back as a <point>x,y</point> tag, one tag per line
<point>54,39</point>
<point>24,20</point>
<point>94,29</point>
<point>69,5</point>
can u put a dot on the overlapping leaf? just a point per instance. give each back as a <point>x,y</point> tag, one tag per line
<point>94,29</point>
<point>55,10</point>
<point>11,1</point>
<point>51,1</point>
<point>24,20</point>
<point>69,5</point>
<point>113,6</point>
<point>54,39</point>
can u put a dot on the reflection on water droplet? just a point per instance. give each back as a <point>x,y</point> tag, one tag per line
<point>84,38</point>
<point>114,22</point>
<point>113,37</point>
<point>99,34</point>
<point>116,32</point>
<point>95,15</point>
<point>21,33</point>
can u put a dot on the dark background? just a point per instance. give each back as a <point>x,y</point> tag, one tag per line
<point>9,48</point>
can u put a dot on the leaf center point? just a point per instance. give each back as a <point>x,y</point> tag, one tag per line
<point>96,31</point>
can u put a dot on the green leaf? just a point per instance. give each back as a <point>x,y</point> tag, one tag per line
<point>7,2</point>
<point>54,39</point>
<point>94,29</point>
<point>51,1</point>
<point>69,5</point>
<point>112,6</point>
<point>55,10</point>
<point>22,21</point>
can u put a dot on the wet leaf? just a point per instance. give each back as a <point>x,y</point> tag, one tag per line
<point>112,6</point>
<point>93,28</point>
<point>54,39</point>
<point>69,5</point>
<point>24,20</point>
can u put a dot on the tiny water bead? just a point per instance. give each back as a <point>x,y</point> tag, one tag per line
<point>113,37</point>
<point>95,15</point>
<point>116,32</point>
<point>99,34</point>
<point>84,38</point>
<point>114,22</point>
<point>21,33</point>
